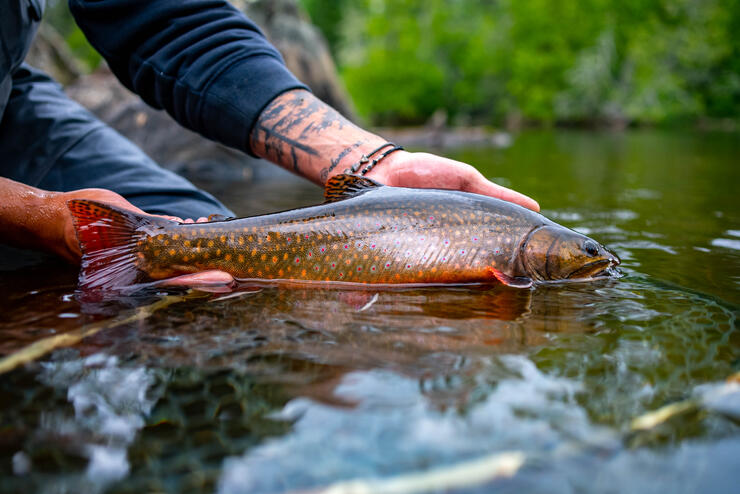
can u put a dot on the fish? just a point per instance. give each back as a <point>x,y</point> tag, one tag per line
<point>365,233</point>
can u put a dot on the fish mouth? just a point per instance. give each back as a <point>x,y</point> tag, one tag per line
<point>593,269</point>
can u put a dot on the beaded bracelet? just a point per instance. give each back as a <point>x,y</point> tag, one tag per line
<point>365,158</point>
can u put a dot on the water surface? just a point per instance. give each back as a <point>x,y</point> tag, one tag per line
<point>299,390</point>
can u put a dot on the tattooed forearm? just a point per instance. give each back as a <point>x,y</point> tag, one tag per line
<point>338,159</point>
<point>301,133</point>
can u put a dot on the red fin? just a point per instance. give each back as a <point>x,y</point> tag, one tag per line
<point>517,282</point>
<point>108,239</point>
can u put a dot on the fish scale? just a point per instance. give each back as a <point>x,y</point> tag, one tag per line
<point>364,233</point>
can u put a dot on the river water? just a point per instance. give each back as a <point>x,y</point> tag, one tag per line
<point>626,385</point>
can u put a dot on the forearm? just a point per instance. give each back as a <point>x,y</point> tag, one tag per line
<point>305,135</point>
<point>30,217</point>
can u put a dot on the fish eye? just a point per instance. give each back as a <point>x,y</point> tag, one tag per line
<point>590,248</point>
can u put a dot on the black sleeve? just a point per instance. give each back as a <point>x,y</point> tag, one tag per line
<point>203,61</point>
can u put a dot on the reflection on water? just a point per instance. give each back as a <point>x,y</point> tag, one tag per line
<point>281,390</point>
<point>110,404</point>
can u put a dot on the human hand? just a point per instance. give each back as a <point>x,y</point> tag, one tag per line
<point>424,170</point>
<point>69,247</point>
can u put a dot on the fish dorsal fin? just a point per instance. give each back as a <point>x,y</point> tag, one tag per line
<point>344,186</point>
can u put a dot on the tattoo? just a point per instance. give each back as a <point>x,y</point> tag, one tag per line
<point>270,137</point>
<point>295,160</point>
<point>335,161</point>
<point>297,129</point>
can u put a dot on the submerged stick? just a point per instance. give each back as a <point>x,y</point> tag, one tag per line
<point>42,347</point>
<point>654,418</point>
<point>704,401</point>
<point>466,474</point>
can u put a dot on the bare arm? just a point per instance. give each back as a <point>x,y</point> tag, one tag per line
<point>39,219</point>
<point>301,133</point>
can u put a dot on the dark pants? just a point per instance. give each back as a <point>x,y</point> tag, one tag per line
<point>51,142</point>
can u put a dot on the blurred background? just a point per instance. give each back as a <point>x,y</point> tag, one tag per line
<point>508,63</point>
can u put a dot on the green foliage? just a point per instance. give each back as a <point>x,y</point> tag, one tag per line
<point>644,61</point>
<point>57,14</point>
<point>547,61</point>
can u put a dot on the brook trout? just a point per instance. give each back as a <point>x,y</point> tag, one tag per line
<point>365,233</point>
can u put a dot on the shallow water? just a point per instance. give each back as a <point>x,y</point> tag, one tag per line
<point>297,390</point>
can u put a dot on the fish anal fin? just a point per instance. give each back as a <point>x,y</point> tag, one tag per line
<point>513,281</point>
<point>344,186</point>
<point>108,239</point>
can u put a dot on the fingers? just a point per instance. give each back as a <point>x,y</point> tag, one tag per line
<point>427,170</point>
<point>486,187</point>
<point>202,219</point>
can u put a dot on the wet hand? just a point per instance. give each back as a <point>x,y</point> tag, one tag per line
<point>424,170</point>
<point>69,248</point>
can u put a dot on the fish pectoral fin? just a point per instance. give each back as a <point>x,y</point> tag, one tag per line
<point>514,281</point>
<point>344,186</point>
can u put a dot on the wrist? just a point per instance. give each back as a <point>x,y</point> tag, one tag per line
<point>372,158</point>
<point>386,168</point>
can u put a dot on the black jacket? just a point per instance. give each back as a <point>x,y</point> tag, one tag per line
<point>202,61</point>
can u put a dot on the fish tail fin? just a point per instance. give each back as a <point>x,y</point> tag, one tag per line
<point>108,238</point>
